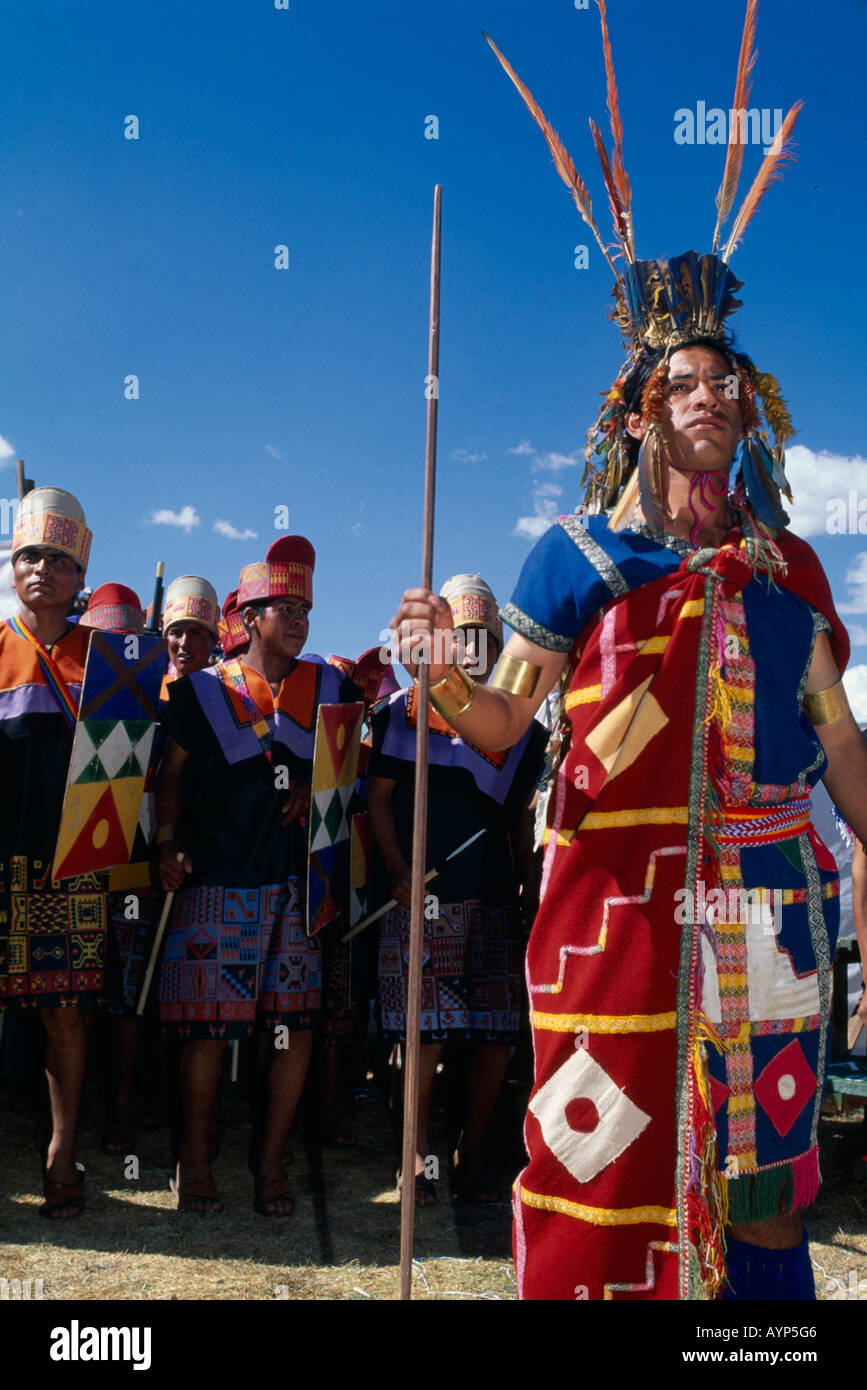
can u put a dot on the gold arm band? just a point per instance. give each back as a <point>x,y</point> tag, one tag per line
<point>167,835</point>
<point>827,706</point>
<point>516,677</point>
<point>453,695</point>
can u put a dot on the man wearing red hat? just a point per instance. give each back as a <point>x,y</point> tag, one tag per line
<point>234,637</point>
<point>52,934</point>
<point>233,792</point>
<point>116,608</point>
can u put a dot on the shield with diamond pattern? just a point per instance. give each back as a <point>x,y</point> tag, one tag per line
<point>117,716</point>
<point>335,768</point>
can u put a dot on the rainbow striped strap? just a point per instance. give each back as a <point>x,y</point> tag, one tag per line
<point>744,824</point>
<point>53,679</point>
<point>257,719</point>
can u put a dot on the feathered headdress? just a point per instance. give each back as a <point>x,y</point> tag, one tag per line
<point>661,303</point>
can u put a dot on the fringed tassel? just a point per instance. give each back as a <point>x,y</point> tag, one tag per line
<point>622,514</point>
<point>757,469</point>
<point>759,1196</point>
<point>653,479</point>
<point>774,1191</point>
<point>807,1179</point>
<point>707,1191</point>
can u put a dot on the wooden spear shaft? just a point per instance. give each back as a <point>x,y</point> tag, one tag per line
<point>419,833</point>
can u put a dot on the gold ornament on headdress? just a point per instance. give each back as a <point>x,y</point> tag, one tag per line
<point>662,303</point>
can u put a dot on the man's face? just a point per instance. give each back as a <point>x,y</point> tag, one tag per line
<point>480,652</point>
<point>283,626</point>
<point>189,646</point>
<point>45,580</point>
<point>701,414</point>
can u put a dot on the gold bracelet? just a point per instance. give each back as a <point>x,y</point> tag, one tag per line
<point>167,835</point>
<point>827,706</point>
<point>453,695</point>
<point>516,677</point>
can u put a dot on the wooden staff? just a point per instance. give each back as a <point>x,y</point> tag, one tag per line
<point>419,833</point>
<point>156,623</point>
<point>155,950</point>
<point>431,874</point>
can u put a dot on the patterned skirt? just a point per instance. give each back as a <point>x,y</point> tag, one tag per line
<point>128,949</point>
<point>472,973</point>
<point>52,936</point>
<point>235,956</point>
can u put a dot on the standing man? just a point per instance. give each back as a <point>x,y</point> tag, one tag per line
<point>679,1026</point>
<point>190,618</point>
<point>52,934</point>
<point>232,798</point>
<point>472,984</point>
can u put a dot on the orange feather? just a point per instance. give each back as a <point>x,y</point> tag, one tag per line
<point>620,176</point>
<point>769,172</point>
<point>621,226</point>
<point>562,159</point>
<point>743,85</point>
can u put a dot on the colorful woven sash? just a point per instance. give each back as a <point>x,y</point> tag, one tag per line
<point>746,825</point>
<point>53,679</point>
<point>261,728</point>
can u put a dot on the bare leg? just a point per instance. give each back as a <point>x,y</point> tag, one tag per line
<point>287,1072</point>
<point>777,1233</point>
<point>335,1053</point>
<point>199,1076</point>
<point>486,1075</point>
<point>429,1057</point>
<point>118,1127</point>
<point>65,1055</point>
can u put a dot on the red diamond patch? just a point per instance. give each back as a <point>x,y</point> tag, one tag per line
<point>785,1086</point>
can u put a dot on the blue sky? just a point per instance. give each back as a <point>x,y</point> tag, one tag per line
<point>304,387</point>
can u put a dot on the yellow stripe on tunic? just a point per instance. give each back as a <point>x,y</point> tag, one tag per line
<point>600,1216</point>
<point>604,1023</point>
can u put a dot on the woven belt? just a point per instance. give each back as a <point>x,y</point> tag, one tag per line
<point>743,825</point>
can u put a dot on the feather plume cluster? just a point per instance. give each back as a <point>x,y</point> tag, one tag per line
<point>661,303</point>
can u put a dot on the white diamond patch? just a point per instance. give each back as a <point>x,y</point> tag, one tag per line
<point>114,752</point>
<point>587,1151</point>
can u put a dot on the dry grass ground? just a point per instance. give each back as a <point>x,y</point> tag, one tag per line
<point>342,1241</point>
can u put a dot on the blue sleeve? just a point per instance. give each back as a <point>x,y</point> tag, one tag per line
<point>560,587</point>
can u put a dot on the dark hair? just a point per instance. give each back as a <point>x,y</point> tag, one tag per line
<point>651,358</point>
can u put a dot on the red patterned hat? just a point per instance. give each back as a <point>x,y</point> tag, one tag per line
<point>286,572</point>
<point>233,633</point>
<point>113,608</point>
<point>373,676</point>
<point>191,599</point>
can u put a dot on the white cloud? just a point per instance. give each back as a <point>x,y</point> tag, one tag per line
<point>6,451</point>
<point>857,634</point>
<point>464,456</point>
<point>817,479</point>
<point>545,509</point>
<point>8,598</point>
<point>225,528</point>
<point>553,463</point>
<point>356,528</point>
<point>856,578</point>
<point>545,512</point>
<point>187,517</point>
<point>855,685</point>
<point>275,453</point>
